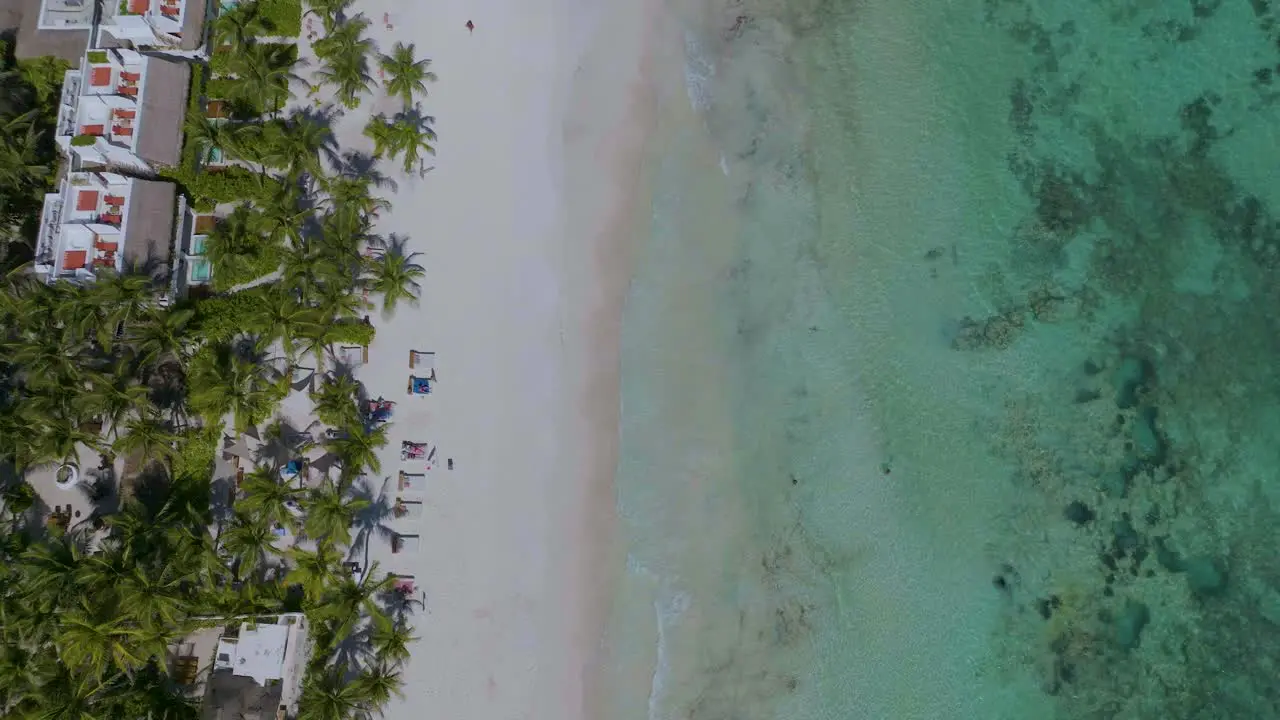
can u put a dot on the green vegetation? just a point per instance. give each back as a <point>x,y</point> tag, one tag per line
<point>83,140</point>
<point>105,367</point>
<point>345,52</point>
<point>224,60</point>
<point>28,113</point>
<point>96,56</point>
<point>407,135</point>
<point>282,18</point>
<point>405,76</point>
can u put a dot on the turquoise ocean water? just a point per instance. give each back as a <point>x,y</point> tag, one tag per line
<point>950,367</point>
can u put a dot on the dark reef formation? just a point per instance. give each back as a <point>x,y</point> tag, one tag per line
<point>1160,457</point>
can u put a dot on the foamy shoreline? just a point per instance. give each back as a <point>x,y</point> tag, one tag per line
<point>520,225</point>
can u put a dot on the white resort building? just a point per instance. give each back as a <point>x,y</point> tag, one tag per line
<point>175,24</point>
<point>104,221</point>
<point>240,669</point>
<point>124,109</point>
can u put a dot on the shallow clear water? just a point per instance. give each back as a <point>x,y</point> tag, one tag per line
<point>948,367</point>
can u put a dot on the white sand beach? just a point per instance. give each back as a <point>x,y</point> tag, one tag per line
<point>517,226</point>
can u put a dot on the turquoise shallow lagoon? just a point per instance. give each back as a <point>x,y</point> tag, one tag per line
<point>950,367</point>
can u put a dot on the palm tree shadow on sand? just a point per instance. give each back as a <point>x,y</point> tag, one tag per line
<point>370,522</point>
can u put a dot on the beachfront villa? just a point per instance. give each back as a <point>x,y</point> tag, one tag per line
<point>244,667</point>
<point>123,109</point>
<point>104,221</point>
<point>194,269</point>
<point>156,23</point>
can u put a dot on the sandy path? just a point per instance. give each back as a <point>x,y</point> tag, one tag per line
<point>521,303</point>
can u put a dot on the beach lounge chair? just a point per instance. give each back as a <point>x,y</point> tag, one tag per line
<point>423,363</point>
<point>405,543</point>
<point>411,482</point>
<point>413,450</point>
<point>404,584</point>
<point>353,355</point>
<point>419,385</point>
<point>407,509</point>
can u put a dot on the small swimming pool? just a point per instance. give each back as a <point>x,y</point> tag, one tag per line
<point>197,245</point>
<point>228,5</point>
<point>201,271</point>
<point>215,156</point>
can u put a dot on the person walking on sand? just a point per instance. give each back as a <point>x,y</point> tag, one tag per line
<point>471,27</point>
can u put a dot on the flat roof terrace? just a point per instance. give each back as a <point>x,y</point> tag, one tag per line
<point>66,14</point>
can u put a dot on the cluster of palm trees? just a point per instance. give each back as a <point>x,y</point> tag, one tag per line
<point>26,157</point>
<point>90,613</point>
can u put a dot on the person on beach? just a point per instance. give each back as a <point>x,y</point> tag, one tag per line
<point>471,27</point>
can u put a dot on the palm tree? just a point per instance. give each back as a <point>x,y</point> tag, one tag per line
<point>346,38</point>
<point>88,643</point>
<point>405,76</point>
<point>119,299</point>
<point>114,397</point>
<point>357,448</point>
<point>50,572</point>
<point>335,401</point>
<point>234,245</point>
<point>282,316</point>
<point>330,12</point>
<point>379,683</point>
<point>378,130</point>
<point>350,600</point>
<point>237,27</point>
<point>266,71</point>
<point>148,436</point>
<point>315,570</point>
<point>268,500</point>
<point>345,52</point>
<point>208,133</point>
<point>58,432</point>
<point>410,136</point>
<point>330,513</point>
<point>223,381</point>
<point>311,141</point>
<point>395,275</point>
<point>281,220</point>
<point>71,696</point>
<point>158,339</point>
<point>250,540</point>
<point>390,640</point>
<point>326,695</point>
<point>153,598</point>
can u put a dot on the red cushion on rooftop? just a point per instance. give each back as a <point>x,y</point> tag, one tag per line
<point>100,76</point>
<point>74,259</point>
<point>139,6</point>
<point>87,200</point>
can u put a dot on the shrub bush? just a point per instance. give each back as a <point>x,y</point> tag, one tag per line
<point>281,17</point>
<point>197,449</point>
<point>266,262</point>
<point>349,332</point>
<point>96,56</point>
<point>218,319</point>
<point>84,140</point>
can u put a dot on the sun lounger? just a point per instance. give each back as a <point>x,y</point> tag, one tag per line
<point>424,363</point>
<point>353,354</point>
<point>412,482</point>
<point>419,385</point>
<point>405,543</point>
<point>408,509</point>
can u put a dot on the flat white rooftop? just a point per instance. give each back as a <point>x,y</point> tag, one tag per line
<point>258,653</point>
<point>65,15</point>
